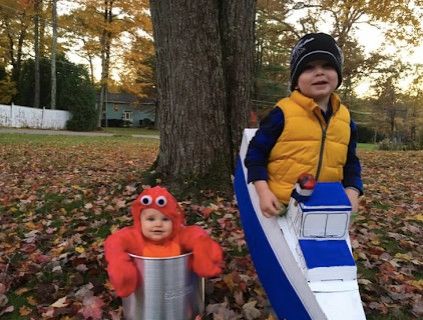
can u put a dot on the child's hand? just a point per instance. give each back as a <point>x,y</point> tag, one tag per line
<point>352,195</point>
<point>123,273</point>
<point>269,204</point>
<point>123,277</point>
<point>207,257</point>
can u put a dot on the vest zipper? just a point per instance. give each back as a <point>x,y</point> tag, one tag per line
<point>322,146</point>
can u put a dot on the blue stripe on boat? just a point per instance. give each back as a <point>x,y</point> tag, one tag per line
<point>326,253</point>
<point>281,294</point>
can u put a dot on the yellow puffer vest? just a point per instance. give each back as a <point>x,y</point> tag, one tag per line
<point>308,144</point>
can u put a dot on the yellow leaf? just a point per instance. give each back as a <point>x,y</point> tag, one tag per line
<point>32,301</point>
<point>271,317</point>
<point>31,225</point>
<point>228,279</point>
<point>418,217</point>
<point>24,311</point>
<point>403,256</point>
<point>108,285</point>
<point>80,249</point>
<point>21,291</point>
<point>416,283</point>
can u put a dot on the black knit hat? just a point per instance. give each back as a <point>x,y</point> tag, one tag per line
<point>315,46</point>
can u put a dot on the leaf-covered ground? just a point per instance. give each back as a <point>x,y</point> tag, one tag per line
<point>60,197</point>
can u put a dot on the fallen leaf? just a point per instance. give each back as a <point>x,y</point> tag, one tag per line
<point>61,303</point>
<point>92,308</point>
<point>250,311</point>
<point>24,311</point>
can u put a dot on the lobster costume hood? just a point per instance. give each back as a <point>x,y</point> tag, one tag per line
<point>161,200</point>
<point>207,255</point>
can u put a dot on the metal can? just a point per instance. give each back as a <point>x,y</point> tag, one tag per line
<point>169,290</point>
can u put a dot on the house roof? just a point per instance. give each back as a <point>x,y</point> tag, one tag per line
<point>126,98</point>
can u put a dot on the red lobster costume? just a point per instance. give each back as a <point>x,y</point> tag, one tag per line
<point>207,255</point>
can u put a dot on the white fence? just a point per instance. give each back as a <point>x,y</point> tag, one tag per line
<point>18,117</point>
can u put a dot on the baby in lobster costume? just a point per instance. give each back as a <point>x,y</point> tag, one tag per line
<point>158,231</point>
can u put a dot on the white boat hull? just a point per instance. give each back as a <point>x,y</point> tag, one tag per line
<point>293,293</point>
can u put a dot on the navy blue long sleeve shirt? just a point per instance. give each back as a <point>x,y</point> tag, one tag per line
<point>271,128</point>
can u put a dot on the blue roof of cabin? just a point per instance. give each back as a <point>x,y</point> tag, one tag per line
<point>327,196</point>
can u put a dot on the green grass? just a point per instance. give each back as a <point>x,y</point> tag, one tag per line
<point>366,273</point>
<point>67,141</point>
<point>17,302</point>
<point>367,146</point>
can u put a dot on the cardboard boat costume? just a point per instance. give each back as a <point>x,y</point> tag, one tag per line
<point>304,258</point>
<point>206,255</point>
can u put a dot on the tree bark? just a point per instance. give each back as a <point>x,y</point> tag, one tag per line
<point>105,58</point>
<point>237,29</point>
<point>15,53</point>
<point>37,5</point>
<point>53,54</point>
<point>204,52</point>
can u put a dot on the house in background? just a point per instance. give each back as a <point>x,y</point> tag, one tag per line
<point>127,110</point>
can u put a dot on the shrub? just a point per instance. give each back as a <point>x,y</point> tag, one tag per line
<point>116,123</point>
<point>397,145</point>
<point>146,123</point>
<point>368,135</point>
<point>84,118</point>
<point>83,109</point>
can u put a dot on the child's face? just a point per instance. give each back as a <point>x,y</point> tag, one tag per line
<point>155,225</point>
<point>318,80</point>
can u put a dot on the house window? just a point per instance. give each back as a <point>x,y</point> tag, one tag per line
<point>127,115</point>
<point>115,107</point>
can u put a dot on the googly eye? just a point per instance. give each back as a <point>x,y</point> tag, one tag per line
<point>146,200</point>
<point>161,201</point>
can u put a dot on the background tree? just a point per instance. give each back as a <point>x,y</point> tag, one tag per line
<point>139,70</point>
<point>104,28</point>
<point>414,101</point>
<point>71,79</point>
<point>7,87</point>
<point>274,37</point>
<point>204,53</point>
<point>390,102</point>
<point>53,52</point>
<point>37,15</point>
<point>15,19</point>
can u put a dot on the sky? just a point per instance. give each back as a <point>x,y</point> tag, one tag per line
<point>372,39</point>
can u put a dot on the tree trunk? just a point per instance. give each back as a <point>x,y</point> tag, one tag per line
<point>15,53</point>
<point>105,58</point>
<point>237,30</point>
<point>53,53</point>
<point>37,53</point>
<point>204,53</point>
